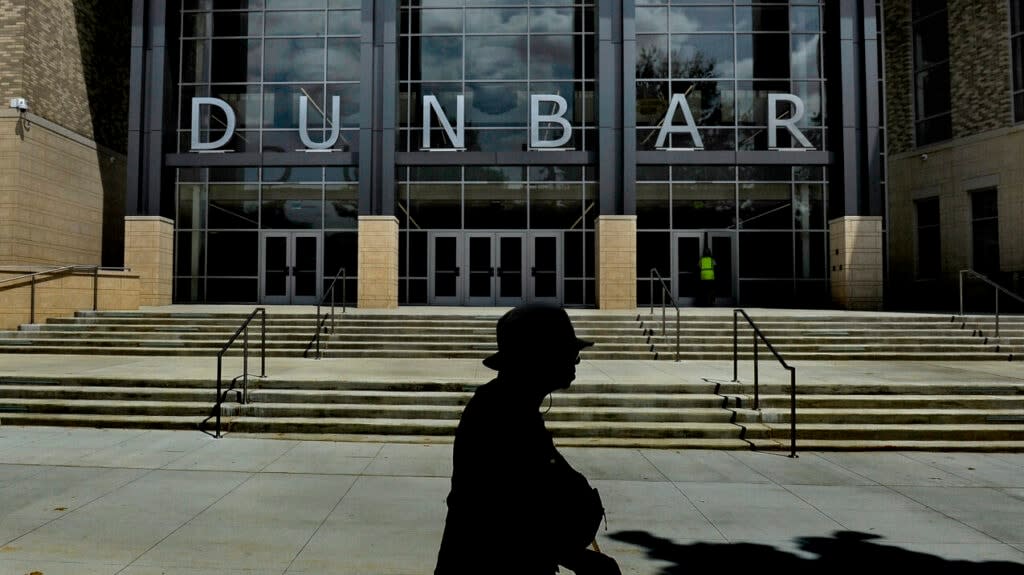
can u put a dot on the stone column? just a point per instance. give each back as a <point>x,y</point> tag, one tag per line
<point>149,252</point>
<point>615,247</point>
<point>856,262</point>
<point>378,262</point>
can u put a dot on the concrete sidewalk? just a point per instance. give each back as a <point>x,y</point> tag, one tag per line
<point>472,371</point>
<point>100,501</point>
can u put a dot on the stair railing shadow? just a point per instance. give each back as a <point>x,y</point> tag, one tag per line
<point>842,552</point>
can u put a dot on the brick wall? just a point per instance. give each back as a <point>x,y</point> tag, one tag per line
<point>979,69</point>
<point>70,59</point>
<point>12,48</point>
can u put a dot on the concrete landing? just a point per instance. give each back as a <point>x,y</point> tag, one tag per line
<point>132,502</point>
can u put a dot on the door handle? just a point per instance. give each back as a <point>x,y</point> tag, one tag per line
<point>533,272</point>
<point>457,271</point>
<point>496,272</point>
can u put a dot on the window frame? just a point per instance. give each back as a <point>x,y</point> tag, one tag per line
<point>919,119</point>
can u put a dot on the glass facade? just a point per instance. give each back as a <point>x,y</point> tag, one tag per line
<point>496,54</point>
<point>264,59</point>
<point>726,58</point>
<point>497,133</point>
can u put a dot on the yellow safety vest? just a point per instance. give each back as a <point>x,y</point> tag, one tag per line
<point>707,268</point>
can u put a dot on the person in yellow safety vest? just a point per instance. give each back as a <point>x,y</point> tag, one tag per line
<point>707,277</point>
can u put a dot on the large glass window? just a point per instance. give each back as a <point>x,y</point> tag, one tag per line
<point>932,103</point>
<point>496,57</point>
<point>726,59</point>
<point>775,212</point>
<point>262,58</point>
<point>985,231</point>
<point>1017,49</point>
<point>222,211</point>
<point>929,250</point>
<point>543,197</point>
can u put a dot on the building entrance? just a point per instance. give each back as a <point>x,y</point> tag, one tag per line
<point>687,248</point>
<point>494,268</point>
<point>290,265</point>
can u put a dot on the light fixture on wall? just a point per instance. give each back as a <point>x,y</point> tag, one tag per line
<point>19,104</point>
<point>924,157</point>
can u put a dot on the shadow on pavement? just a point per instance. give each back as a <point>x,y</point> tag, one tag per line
<point>844,551</point>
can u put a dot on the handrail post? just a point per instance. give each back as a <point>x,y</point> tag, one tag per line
<point>756,395</point>
<point>32,304</point>
<point>663,332</point>
<point>792,412</point>
<point>263,342</point>
<point>220,357</point>
<point>652,292</point>
<point>95,288</point>
<point>344,290</point>
<point>997,313</point>
<point>961,295</point>
<point>677,332</point>
<point>735,345</point>
<point>245,365</point>
<point>332,310</point>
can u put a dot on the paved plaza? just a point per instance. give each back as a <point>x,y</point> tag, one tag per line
<point>80,501</point>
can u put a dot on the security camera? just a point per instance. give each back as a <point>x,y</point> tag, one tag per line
<point>20,104</point>
<point>924,157</point>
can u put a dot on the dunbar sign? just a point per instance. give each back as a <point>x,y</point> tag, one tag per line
<point>554,120</point>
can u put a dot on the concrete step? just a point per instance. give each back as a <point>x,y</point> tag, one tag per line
<point>899,432</point>
<point>884,416</point>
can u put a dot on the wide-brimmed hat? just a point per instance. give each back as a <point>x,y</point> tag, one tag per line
<point>532,332</point>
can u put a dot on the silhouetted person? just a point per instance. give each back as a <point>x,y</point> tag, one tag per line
<point>516,506</point>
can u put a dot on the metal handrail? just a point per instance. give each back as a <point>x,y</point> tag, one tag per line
<point>320,322</point>
<point>242,396</point>
<point>665,291</point>
<point>985,279</point>
<point>94,269</point>
<point>791,369</point>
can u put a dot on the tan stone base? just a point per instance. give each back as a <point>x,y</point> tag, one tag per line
<point>855,262</point>
<point>378,262</point>
<point>63,295</point>
<point>149,252</point>
<point>615,245</point>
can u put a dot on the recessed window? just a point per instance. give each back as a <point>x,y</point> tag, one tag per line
<point>985,231</point>
<point>932,103</point>
<point>929,251</point>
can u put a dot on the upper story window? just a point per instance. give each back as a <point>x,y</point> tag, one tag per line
<point>1017,49</point>
<point>932,102</point>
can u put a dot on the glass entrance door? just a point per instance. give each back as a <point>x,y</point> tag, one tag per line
<point>290,268</point>
<point>494,268</point>
<point>495,263</point>
<point>688,248</point>
<point>545,271</point>
<point>445,283</point>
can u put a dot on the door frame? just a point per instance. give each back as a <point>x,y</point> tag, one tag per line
<point>721,299</point>
<point>432,298</point>
<point>290,298</point>
<point>531,240</point>
<point>528,258</point>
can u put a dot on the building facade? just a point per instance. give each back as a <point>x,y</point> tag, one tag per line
<point>492,152</point>
<point>955,99</point>
<point>63,112</point>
